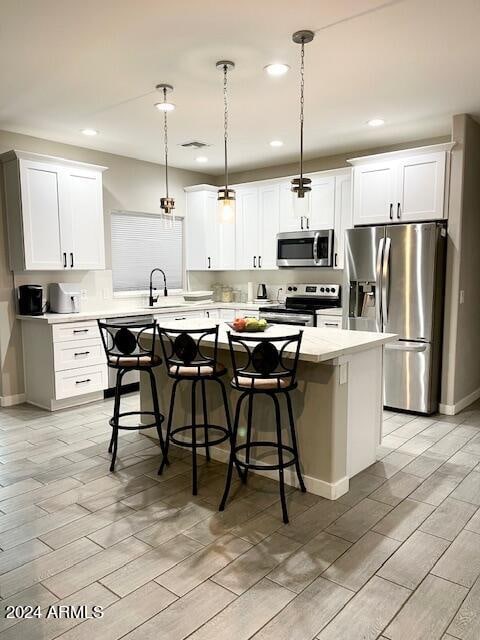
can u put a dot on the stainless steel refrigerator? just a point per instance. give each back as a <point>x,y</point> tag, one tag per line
<point>395,283</point>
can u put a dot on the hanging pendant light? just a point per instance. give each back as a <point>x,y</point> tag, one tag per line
<point>167,204</point>
<point>225,195</point>
<point>301,186</point>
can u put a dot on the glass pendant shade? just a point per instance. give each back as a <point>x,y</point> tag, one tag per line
<point>226,205</point>
<point>301,204</point>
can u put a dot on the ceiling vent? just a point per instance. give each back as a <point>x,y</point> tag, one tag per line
<point>194,144</point>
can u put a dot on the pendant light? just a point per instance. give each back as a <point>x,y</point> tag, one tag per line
<point>301,186</point>
<point>225,195</point>
<point>167,204</point>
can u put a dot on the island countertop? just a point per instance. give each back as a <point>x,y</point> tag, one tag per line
<point>318,344</point>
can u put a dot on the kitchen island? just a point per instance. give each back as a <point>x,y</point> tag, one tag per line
<point>338,404</point>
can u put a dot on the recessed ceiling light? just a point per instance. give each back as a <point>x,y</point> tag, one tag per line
<point>165,106</point>
<point>277,69</point>
<point>90,132</point>
<point>376,122</point>
<point>201,159</point>
<point>276,143</point>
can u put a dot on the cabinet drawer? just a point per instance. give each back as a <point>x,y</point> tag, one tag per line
<point>75,331</point>
<point>76,382</point>
<point>329,322</point>
<point>78,353</point>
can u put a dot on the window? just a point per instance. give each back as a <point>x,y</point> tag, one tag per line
<point>141,242</point>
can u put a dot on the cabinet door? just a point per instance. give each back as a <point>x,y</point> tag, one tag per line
<point>268,221</point>
<point>289,221</point>
<point>421,188</point>
<point>322,203</point>
<point>343,217</point>
<point>198,233</point>
<point>247,229</point>
<point>81,221</point>
<point>41,207</point>
<point>374,193</point>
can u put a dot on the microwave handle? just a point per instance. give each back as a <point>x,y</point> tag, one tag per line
<point>315,247</point>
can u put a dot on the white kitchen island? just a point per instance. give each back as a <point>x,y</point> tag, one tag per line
<point>338,404</point>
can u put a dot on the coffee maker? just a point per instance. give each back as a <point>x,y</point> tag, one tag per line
<point>30,300</point>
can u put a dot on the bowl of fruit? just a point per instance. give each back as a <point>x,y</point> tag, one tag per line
<point>249,325</point>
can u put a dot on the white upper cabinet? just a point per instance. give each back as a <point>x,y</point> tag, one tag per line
<point>268,225</point>
<point>406,186</point>
<point>54,213</point>
<point>209,245</point>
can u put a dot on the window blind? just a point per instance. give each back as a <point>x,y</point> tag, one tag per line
<point>141,242</point>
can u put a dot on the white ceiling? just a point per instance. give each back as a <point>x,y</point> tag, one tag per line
<point>66,65</point>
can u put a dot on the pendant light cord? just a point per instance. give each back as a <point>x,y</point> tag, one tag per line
<point>225,121</point>
<point>165,136</point>
<point>302,102</point>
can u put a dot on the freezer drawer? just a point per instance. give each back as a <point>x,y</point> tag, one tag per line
<point>410,383</point>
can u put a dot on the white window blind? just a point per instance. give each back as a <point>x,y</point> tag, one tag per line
<point>141,242</point>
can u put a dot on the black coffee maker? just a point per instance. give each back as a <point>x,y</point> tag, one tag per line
<point>30,300</point>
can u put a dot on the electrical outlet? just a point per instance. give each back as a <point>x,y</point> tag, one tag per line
<point>462,296</point>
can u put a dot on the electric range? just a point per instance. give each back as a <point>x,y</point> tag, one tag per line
<point>304,302</point>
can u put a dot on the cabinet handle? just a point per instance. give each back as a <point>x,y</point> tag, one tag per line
<point>336,256</point>
<point>308,222</point>
<point>80,330</point>
<point>81,353</point>
<point>207,313</point>
<point>64,260</point>
<point>209,263</point>
<point>391,211</point>
<point>330,324</point>
<point>82,381</point>
<point>259,262</point>
<point>71,260</point>
<point>254,262</point>
<point>182,318</point>
<point>398,211</point>
<point>301,222</point>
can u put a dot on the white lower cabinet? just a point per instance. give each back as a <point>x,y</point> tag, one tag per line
<point>329,322</point>
<point>77,382</point>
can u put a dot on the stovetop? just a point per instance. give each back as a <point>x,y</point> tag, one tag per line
<point>308,298</point>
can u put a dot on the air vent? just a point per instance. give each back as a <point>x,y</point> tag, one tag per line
<point>194,145</point>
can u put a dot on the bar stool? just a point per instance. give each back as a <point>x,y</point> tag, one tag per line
<point>267,371</point>
<point>186,361</point>
<point>126,352</point>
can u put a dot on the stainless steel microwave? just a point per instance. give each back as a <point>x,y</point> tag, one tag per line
<point>305,248</point>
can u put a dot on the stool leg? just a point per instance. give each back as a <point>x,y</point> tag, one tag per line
<point>169,427</point>
<point>194,439</point>
<point>294,442</point>
<point>280,457</point>
<point>232,458</point>
<point>116,411</point>
<point>229,422</point>
<point>158,415</point>
<point>249,435</point>
<point>205,420</point>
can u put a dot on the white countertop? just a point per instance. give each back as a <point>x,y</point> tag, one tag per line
<point>55,318</point>
<point>318,345</point>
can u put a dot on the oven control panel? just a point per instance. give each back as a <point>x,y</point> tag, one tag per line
<point>317,290</point>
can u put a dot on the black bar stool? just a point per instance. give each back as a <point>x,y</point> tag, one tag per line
<point>268,370</point>
<point>186,361</point>
<point>126,351</point>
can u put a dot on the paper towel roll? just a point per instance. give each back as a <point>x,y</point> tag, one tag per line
<point>250,292</point>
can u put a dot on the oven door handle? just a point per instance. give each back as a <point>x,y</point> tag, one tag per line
<point>316,238</point>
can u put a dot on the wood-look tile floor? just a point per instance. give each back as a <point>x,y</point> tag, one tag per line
<point>397,558</point>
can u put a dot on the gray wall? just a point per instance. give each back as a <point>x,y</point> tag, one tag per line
<point>461,359</point>
<point>128,184</point>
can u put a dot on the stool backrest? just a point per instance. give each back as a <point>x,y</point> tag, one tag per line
<point>267,358</point>
<point>186,347</point>
<point>128,339</point>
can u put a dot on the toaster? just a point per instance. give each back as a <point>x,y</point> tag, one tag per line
<point>64,297</point>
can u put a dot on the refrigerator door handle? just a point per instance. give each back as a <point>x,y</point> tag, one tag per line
<point>416,347</point>
<point>385,280</point>
<point>378,286</point>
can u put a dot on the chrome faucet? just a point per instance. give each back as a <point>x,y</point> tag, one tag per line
<point>151,299</point>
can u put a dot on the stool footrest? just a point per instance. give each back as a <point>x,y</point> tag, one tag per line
<point>266,466</point>
<point>136,427</point>
<point>188,443</point>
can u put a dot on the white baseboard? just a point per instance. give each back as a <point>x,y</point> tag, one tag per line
<point>453,409</point>
<point>10,401</point>
<point>328,490</point>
